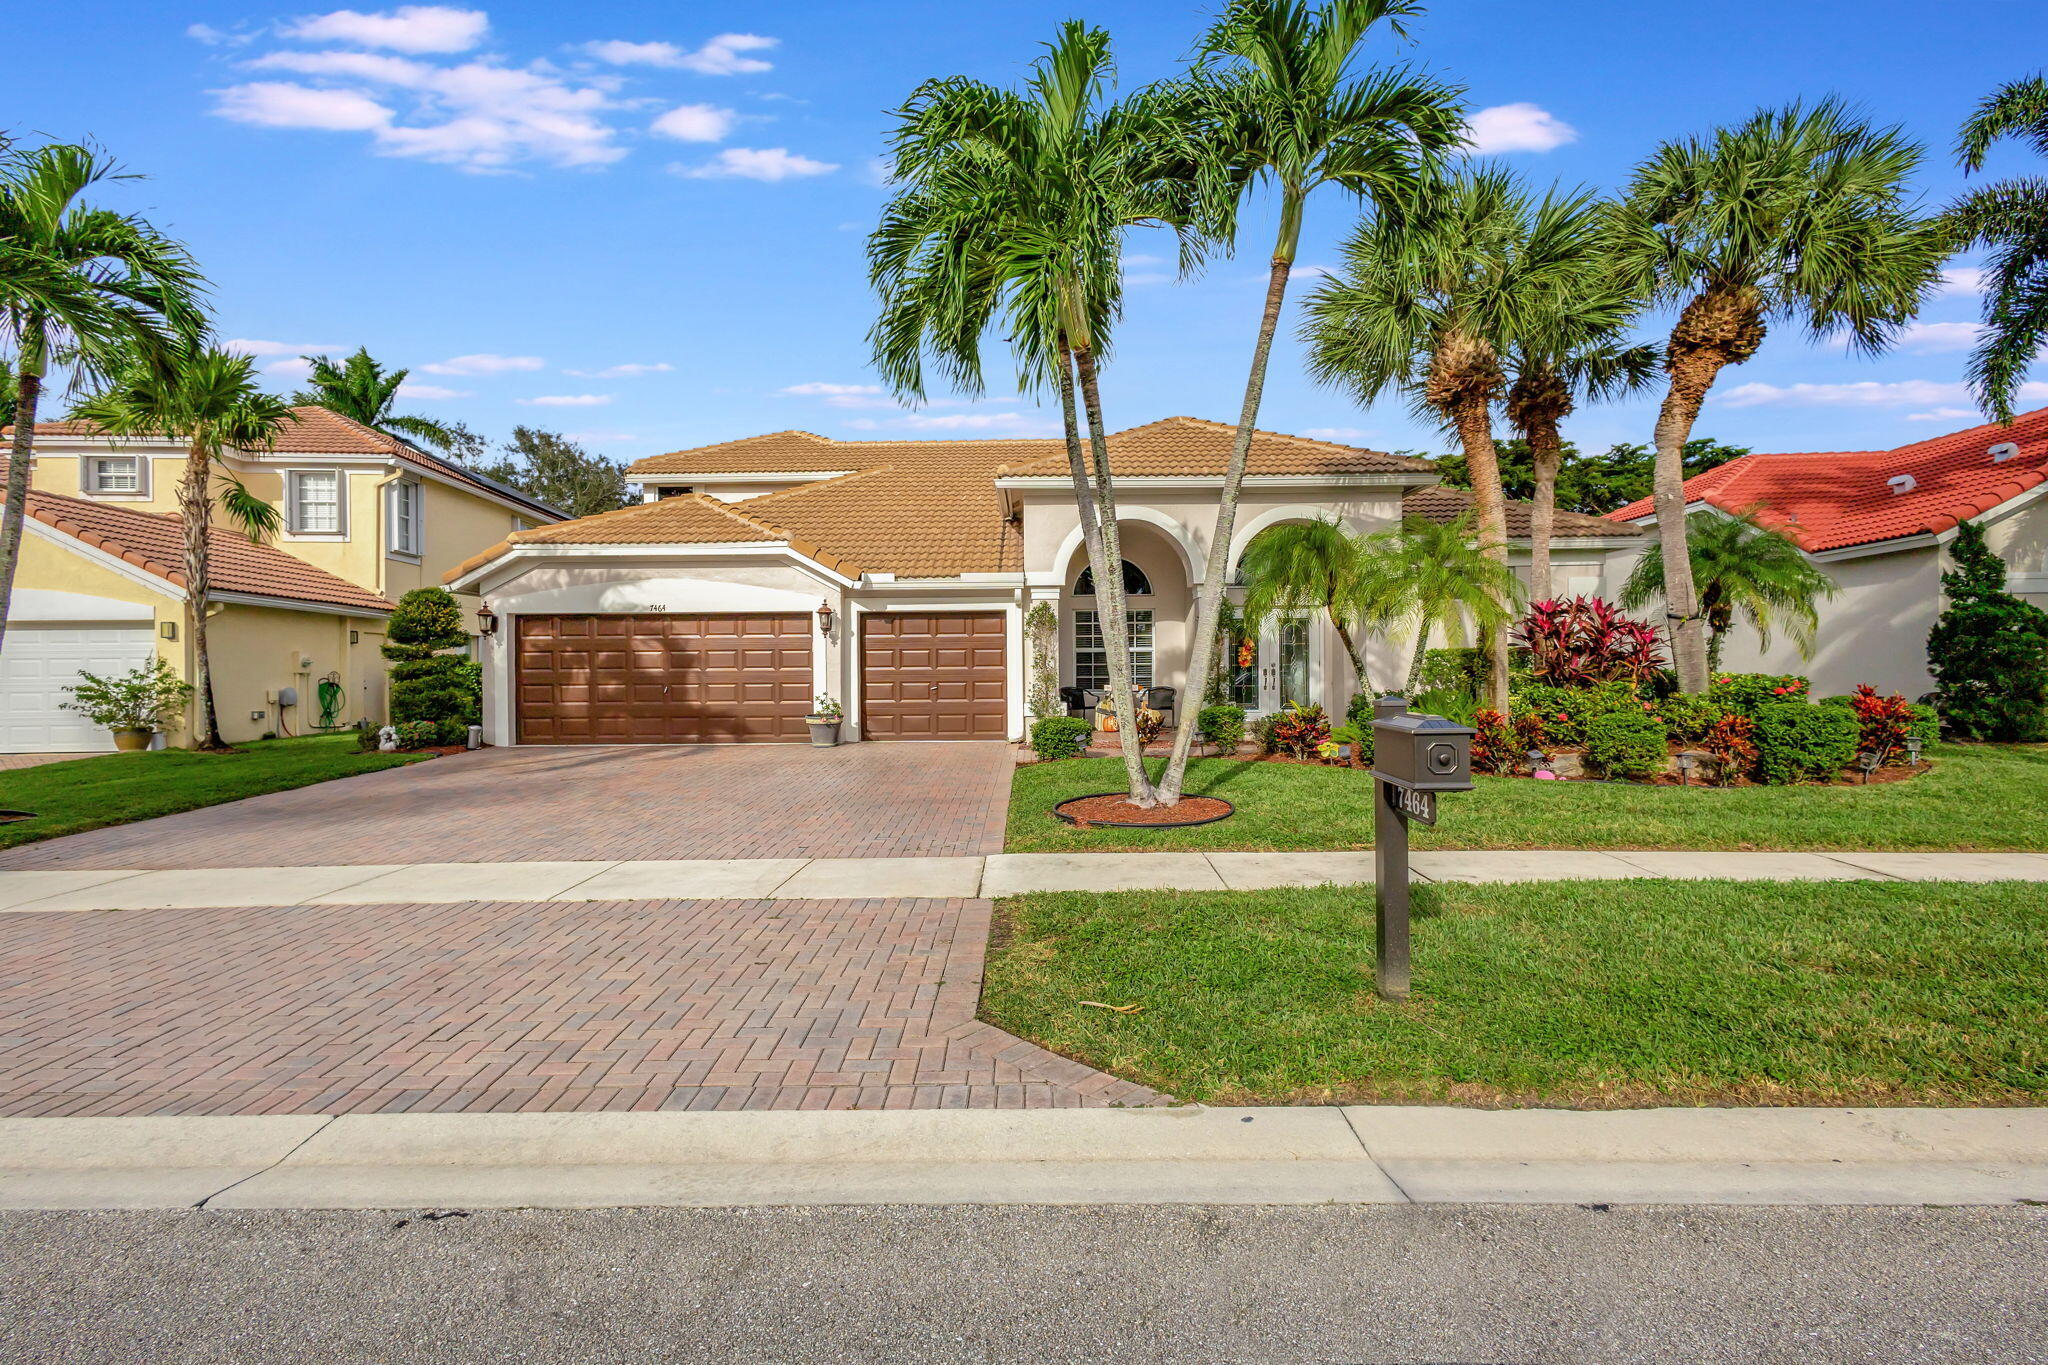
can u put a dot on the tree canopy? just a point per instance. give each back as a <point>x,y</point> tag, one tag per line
<point>1592,484</point>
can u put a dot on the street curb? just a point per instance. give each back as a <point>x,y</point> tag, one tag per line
<point>1181,1155</point>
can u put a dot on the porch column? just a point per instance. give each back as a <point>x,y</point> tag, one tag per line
<point>1040,647</point>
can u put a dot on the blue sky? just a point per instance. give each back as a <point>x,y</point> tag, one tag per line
<point>643,223</point>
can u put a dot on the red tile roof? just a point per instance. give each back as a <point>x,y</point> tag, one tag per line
<point>1834,499</point>
<point>156,544</point>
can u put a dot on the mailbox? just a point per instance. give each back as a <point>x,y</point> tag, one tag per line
<point>1422,753</point>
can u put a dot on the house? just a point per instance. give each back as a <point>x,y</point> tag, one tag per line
<point>101,584</point>
<point>895,576</point>
<point>1878,522</point>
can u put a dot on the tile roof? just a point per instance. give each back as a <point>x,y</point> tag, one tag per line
<point>1441,504</point>
<point>1190,445</point>
<point>321,431</point>
<point>1835,499</point>
<point>155,543</point>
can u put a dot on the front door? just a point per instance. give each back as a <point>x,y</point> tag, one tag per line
<point>1285,664</point>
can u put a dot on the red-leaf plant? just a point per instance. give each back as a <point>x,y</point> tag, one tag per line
<point>1582,641</point>
<point>1886,722</point>
<point>1733,745</point>
<point>1493,743</point>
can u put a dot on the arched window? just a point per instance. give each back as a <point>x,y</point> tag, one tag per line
<point>1135,582</point>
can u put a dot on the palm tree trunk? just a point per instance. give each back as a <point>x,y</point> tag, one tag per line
<point>1357,654</point>
<point>28,392</point>
<point>1681,407</point>
<point>1417,659</point>
<point>1209,602</point>
<point>1546,454</point>
<point>1472,415</point>
<point>195,511</point>
<point>1110,608</point>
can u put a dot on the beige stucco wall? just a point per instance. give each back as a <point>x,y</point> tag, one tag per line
<point>2021,540</point>
<point>1873,631</point>
<point>257,650</point>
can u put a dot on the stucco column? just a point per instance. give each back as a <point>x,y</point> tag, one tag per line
<point>1048,594</point>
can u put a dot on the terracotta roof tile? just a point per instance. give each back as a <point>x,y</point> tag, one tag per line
<point>1190,445</point>
<point>1446,505</point>
<point>1834,499</point>
<point>155,543</point>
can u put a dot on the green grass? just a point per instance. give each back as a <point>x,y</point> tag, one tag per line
<point>1978,798</point>
<point>1593,994</point>
<point>114,789</point>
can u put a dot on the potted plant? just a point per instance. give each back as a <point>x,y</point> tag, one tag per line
<point>824,721</point>
<point>134,705</point>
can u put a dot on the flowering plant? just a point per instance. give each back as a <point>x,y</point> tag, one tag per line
<point>827,708</point>
<point>1581,641</point>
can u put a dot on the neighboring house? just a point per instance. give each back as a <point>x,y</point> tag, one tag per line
<point>366,516</point>
<point>1879,522</point>
<point>895,576</point>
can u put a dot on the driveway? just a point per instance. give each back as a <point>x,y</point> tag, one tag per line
<point>578,804</point>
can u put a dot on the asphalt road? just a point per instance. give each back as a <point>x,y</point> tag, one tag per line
<point>1037,1285</point>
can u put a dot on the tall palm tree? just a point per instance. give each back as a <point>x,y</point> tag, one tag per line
<point>1798,214</point>
<point>1435,574</point>
<point>210,402</point>
<point>1305,566</point>
<point>1010,215</point>
<point>2011,217</point>
<point>1277,98</point>
<point>86,288</point>
<point>1431,295</point>
<point>361,388</point>
<point>1740,568</point>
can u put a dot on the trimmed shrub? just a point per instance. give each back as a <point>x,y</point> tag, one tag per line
<point>1989,650</point>
<point>1626,743</point>
<point>1798,742</point>
<point>1359,712</point>
<point>366,740</point>
<point>1055,737</point>
<point>417,734</point>
<point>1567,711</point>
<point>1744,693</point>
<point>1298,730</point>
<point>426,683</point>
<point>1493,743</point>
<point>1688,719</point>
<point>1222,726</point>
<point>1263,733</point>
<point>1926,724</point>
<point>453,732</point>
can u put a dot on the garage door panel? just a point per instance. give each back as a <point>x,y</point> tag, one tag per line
<point>38,663</point>
<point>669,679</point>
<point>934,676</point>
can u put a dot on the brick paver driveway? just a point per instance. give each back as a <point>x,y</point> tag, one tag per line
<point>561,804</point>
<point>605,1005</point>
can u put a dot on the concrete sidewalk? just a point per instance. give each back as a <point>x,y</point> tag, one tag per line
<point>1190,1155</point>
<point>1002,874</point>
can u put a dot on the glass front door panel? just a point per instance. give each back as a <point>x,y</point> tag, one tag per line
<point>1244,672</point>
<point>1293,652</point>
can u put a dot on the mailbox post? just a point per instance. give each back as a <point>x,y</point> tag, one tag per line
<point>1413,758</point>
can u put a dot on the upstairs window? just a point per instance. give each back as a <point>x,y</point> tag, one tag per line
<point>404,529</point>
<point>314,502</point>
<point>116,474</point>
<point>1135,582</point>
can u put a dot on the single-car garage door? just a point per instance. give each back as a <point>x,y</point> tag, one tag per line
<point>933,676</point>
<point>38,663</point>
<point>663,679</point>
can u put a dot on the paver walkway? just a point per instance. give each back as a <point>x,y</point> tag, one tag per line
<point>544,804</point>
<point>505,1006</point>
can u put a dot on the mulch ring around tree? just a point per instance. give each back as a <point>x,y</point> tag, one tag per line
<point>1113,810</point>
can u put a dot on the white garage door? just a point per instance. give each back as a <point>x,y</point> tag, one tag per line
<point>38,662</point>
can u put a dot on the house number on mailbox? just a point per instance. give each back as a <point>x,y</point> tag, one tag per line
<point>1414,804</point>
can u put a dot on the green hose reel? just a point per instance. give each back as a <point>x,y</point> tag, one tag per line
<point>333,699</point>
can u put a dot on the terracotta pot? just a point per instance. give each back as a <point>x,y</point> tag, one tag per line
<point>132,741</point>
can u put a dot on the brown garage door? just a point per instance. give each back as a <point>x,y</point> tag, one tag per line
<point>933,676</point>
<point>663,679</point>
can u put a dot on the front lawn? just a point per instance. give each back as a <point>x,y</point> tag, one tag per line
<point>1591,994</point>
<point>1978,798</point>
<point>114,789</point>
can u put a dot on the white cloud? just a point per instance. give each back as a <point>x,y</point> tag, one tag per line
<point>1962,281</point>
<point>250,346</point>
<point>374,67</point>
<point>409,28</point>
<point>1867,393</point>
<point>1933,338</point>
<point>216,37</point>
<point>291,367</point>
<point>630,370</point>
<point>695,123</point>
<point>1341,435</point>
<point>1517,128</point>
<point>749,163</point>
<point>280,104</point>
<point>568,400</point>
<point>841,395</point>
<point>721,56</point>
<point>410,389</point>
<point>1945,415</point>
<point>485,363</point>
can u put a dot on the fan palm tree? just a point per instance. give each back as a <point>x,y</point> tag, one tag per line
<point>210,402</point>
<point>86,288</point>
<point>1433,574</point>
<point>1011,215</point>
<point>1309,566</point>
<point>1430,296</point>
<point>361,388</point>
<point>1277,98</point>
<point>1740,567</point>
<point>2011,217</point>
<point>1798,214</point>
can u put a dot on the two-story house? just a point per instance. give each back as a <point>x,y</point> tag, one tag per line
<point>294,624</point>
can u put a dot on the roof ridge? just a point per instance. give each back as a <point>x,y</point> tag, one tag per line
<point>729,510</point>
<point>815,484</point>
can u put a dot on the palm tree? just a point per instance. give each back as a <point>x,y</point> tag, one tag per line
<point>1277,98</point>
<point>1310,566</point>
<point>1011,215</point>
<point>361,388</point>
<point>1794,214</point>
<point>2011,217</point>
<point>1435,574</point>
<point>210,402</point>
<point>1430,297</point>
<point>1740,568</point>
<point>83,287</point>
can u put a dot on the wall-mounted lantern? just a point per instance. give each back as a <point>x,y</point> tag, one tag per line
<point>486,621</point>
<point>167,629</point>
<point>825,618</point>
